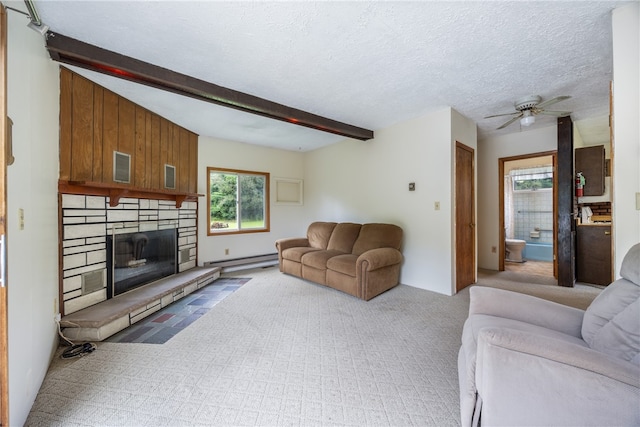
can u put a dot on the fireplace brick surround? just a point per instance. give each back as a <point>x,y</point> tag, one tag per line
<point>85,223</point>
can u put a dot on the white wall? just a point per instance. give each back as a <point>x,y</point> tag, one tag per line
<point>536,140</point>
<point>626,130</point>
<point>286,220</point>
<point>368,182</point>
<point>33,105</point>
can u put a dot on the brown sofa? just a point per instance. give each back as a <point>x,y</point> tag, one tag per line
<point>362,260</point>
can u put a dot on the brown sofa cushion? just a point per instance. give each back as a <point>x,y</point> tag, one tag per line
<point>343,237</point>
<point>295,254</point>
<point>319,234</point>
<point>373,236</point>
<point>318,259</point>
<point>345,264</point>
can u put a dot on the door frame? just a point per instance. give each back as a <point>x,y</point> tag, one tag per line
<point>4,336</point>
<point>501,232</point>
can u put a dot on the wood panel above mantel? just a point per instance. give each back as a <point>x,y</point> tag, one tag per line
<point>95,123</point>
<point>115,192</point>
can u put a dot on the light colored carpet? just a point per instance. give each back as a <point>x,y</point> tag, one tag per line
<point>278,351</point>
<point>283,351</point>
<point>579,296</point>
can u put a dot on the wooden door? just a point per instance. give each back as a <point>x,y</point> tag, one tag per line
<point>4,369</point>
<point>465,217</point>
<point>590,161</point>
<point>593,254</point>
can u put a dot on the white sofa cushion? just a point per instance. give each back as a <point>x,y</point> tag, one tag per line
<point>467,355</point>
<point>630,268</point>
<point>611,323</point>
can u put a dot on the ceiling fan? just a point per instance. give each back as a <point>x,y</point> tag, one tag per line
<point>528,107</point>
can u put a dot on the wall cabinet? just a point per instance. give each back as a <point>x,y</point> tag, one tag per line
<point>95,123</point>
<point>590,161</point>
<point>593,254</point>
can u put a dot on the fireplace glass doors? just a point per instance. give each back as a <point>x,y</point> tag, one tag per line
<point>136,259</point>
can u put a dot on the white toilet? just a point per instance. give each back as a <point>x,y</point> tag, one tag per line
<point>514,248</point>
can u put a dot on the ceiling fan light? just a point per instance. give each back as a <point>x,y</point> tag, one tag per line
<point>527,119</point>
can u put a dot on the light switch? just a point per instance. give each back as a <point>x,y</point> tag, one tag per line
<point>638,201</point>
<point>436,206</point>
<point>20,219</point>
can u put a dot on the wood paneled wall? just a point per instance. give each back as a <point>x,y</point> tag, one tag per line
<point>95,122</point>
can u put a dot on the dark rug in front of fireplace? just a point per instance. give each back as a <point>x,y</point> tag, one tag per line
<point>161,326</point>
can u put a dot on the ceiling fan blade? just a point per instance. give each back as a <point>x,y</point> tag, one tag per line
<point>552,101</point>
<point>510,121</point>
<point>555,113</point>
<point>505,114</point>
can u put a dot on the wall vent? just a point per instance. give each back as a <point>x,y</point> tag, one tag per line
<point>121,167</point>
<point>92,281</point>
<point>169,176</point>
<point>185,254</point>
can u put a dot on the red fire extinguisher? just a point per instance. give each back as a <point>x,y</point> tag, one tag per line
<point>580,181</point>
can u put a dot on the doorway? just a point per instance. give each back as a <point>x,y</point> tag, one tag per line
<point>528,206</point>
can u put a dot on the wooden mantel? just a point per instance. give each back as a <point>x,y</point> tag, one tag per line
<point>117,191</point>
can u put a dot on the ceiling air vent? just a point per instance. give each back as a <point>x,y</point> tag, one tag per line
<point>121,167</point>
<point>169,176</point>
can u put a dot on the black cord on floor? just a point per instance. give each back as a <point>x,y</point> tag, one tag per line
<point>75,350</point>
<point>78,350</point>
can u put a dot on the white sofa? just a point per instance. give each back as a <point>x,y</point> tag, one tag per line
<point>528,361</point>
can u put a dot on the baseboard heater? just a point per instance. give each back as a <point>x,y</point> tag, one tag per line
<point>246,262</point>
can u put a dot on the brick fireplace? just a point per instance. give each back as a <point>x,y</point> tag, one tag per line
<point>86,223</point>
<point>123,170</point>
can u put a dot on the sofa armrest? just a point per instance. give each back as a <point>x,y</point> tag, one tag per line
<point>374,259</point>
<point>526,308</point>
<point>522,377</point>
<point>292,242</point>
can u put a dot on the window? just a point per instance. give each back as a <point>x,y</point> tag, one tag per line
<point>532,179</point>
<point>238,201</point>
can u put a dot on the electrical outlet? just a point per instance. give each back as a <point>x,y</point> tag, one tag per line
<point>226,251</point>
<point>57,317</point>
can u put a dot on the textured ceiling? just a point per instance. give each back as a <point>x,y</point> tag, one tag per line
<point>367,63</point>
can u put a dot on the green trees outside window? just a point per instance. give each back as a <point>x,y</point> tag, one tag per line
<point>238,201</point>
<point>531,179</point>
<point>533,184</point>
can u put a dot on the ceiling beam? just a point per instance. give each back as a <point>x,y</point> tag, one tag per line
<point>75,52</point>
